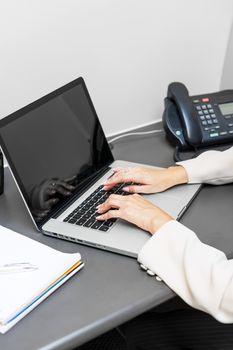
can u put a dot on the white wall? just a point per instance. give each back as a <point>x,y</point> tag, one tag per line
<point>127,51</point>
<point>227,74</point>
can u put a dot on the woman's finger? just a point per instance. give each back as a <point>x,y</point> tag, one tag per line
<point>114,201</point>
<point>119,177</point>
<point>109,215</point>
<point>137,189</point>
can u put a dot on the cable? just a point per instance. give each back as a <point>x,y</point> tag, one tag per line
<point>135,134</point>
<point>177,153</point>
<point>197,151</point>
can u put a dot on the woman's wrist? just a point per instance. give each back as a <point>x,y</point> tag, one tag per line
<point>159,221</point>
<point>177,175</point>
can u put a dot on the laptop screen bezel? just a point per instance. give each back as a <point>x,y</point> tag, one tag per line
<point>21,112</point>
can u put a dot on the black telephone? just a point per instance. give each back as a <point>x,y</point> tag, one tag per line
<point>193,122</point>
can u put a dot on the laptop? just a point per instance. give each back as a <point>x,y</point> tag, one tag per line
<point>59,158</point>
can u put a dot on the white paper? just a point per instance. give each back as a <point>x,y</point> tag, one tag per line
<point>17,290</point>
<point>5,328</point>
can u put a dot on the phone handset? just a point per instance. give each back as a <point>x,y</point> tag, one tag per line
<point>178,93</point>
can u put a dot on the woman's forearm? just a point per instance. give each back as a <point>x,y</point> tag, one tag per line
<point>212,167</point>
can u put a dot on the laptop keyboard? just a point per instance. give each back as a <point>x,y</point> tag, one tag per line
<point>85,213</point>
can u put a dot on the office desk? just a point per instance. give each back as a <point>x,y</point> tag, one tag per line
<point>111,289</point>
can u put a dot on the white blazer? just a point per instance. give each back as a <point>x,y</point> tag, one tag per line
<point>200,274</point>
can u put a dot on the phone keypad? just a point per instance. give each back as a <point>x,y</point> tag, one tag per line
<point>208,119</point>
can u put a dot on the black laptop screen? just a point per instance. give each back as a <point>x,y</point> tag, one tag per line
<point>53,146</point>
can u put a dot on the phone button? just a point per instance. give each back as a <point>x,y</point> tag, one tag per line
<point>205,99</point>
<point>223,133</point>
<point>214,134</point>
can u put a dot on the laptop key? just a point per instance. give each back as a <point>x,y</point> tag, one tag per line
<point>102,192</point>
<point>108,223</point>
<point>91,211</point>
<point>105,196</point>
<point>112,219</point>
<point>70,216</point>
<point>80,222</point>
<point>97,190</point>
<point>89,223</point>
<point>92,202</point>
<point>87,207</point>
<point>95,215</point>
<point>101,201</point>
<point>96,225</point>
<point>77,216</point>
<point>81,211</point>
<point>111,192</point>
<point>104,228</point>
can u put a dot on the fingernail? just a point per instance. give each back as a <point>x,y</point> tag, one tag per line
<point>126,189</point>
<point>99,217</point>
<point>98,206</point>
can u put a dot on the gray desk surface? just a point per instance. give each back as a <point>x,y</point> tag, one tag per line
<point>111,289</point>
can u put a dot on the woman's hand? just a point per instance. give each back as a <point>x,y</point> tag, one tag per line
<point>149,180</point>
<point>134,209</point>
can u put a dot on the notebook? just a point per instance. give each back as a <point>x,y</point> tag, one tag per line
<point>59,157</point>
<point>21,289</point>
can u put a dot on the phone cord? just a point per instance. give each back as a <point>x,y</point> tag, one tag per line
<point>177,154</point>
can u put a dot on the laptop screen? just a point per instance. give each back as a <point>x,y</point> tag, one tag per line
<point>54,146</point>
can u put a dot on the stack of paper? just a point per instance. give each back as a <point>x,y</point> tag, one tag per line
<point>21,291</point>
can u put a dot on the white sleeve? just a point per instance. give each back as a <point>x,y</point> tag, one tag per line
<point>213,167</point>
<point>200,274</point>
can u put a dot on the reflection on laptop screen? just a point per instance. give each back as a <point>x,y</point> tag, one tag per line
<point>54,146</point>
